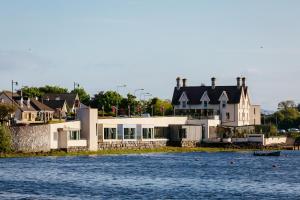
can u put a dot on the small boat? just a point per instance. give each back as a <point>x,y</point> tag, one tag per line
<point>266,153</point>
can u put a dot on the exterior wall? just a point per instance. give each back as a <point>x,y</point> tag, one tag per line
<point>255,115</point>
<point>88,118</point>
<point>54,131</point>
<point>31,138</point>
<point>132,144</point>
<point>157,121</point>
<point>206,124</point>
<point>275,140</point>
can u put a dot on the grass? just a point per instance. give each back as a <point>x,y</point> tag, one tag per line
<point>119,152</point>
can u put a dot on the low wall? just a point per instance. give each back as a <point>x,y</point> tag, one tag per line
<point>131,144</point>
<point>31,138</point>
<point>275,140</point>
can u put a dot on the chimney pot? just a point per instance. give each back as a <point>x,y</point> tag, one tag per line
<point>178,83</point>
<point>184,80</point>
<point>213,82</point>
<point>244,82</point>
<point>238,80</point>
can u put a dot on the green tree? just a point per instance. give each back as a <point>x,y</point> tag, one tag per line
<point>160,107</point>
<point>5,111</point>
<point>106,100</point>
<point>5,139</point>
<point>83,95</point>
<point>32,92</point>
<point>53,89</point>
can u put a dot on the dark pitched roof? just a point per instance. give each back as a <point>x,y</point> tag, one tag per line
<point>55,104</point>
<point>69,97</point>
<point>40,106</point>
<point>194,94</point>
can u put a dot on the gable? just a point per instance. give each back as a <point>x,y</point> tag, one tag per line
<point>223,97</point>
<point>183,97</point>
<point>205,97</point>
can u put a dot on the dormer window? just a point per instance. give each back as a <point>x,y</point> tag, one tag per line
<point>205,103</point>
<point>224,104</point>
<point>183,104</point>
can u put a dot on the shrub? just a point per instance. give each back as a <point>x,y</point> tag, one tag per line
<point>5,139</point>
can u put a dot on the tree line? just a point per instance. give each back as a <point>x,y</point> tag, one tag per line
<point>287,115</point>
<point>108,102</point>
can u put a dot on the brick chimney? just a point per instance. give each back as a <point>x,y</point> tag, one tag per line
<point>184,80</point>
<point>244,82</point>
<point>178,83</point>
<point>213,82</point>
<point>238,82</point>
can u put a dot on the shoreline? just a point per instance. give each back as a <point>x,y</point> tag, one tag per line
<point>128,151</point>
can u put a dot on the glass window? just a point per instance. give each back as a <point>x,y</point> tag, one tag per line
<point>147,133</point>
<point>160,132</point>
<point>205,104</point>
<point>184,104</point>
<point>110,133</point>
<point>223,104</point>
<point>129,133</point>
<point>74,135</point>
<point>228,115</point>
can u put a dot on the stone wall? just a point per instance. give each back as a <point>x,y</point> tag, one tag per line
<point>131,145</point>
<point>31,138</point>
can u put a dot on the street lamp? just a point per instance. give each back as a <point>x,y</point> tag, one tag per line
<point>12,91</point>
<point>76,85</point>
<point>141,89</point>
<point>119,86</point>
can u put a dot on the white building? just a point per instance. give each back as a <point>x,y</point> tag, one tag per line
<point>232,104</point>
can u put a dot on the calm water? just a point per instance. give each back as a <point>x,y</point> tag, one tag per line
<point>152,176</point>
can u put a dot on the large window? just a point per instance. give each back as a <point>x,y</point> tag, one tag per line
<point>160,132</point>
<point>74,135</point>
<point>147,133</point>
<point>110,133</point>
<point>129,133</point>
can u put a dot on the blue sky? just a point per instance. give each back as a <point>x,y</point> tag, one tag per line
<point>147,44</point>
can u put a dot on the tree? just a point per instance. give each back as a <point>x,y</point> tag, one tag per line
<point>5,139</point>
<point>129,101</point>
<point>53,89</point>
<point>83,95</point>
<point>160,107</point>
<point>5,111</point>
<point>32,92</point>
<point>106,100</point>
<point>286,104</point>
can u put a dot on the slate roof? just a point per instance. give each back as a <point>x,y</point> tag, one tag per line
<point>194,94</point>
<point>40,106</point>
<point>55,104</point>
<point>70,98</point>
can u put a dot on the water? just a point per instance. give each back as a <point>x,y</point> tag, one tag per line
<point>152,176</point>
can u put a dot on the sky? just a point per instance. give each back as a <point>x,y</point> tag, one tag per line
<point>147,44</point>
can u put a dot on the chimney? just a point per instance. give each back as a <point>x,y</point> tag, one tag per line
<point>238,80</point>
<point>21,102</point>
<point>178,83</point>
<point>244,82</point>
<point>28,103</point>
<point>213,82</point>
<point>184,80</point>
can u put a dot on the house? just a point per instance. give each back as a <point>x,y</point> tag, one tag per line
<point>72,100</point>
<point>231,104</point>
<point>60,108</point>
<point>44,112</point>
<point>27,110</point>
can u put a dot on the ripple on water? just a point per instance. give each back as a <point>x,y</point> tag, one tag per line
<point>152,176</point>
